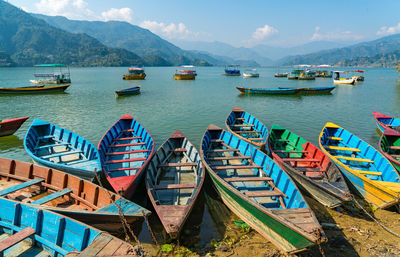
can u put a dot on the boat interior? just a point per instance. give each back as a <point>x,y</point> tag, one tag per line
<point>247,127</point>
<point>391,146</point>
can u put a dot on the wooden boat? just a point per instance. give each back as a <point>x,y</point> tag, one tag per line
<point>281,75</point>
<point>248,128</point>
<point>312,90</point>
<point>57,191</point>
<point>365,167</point>
<point>268,91</point>
<point>33,89</point>
<point>309,167</point>
<point>231,70</point>
<point>174,178</point>
<point>346,81</point>
<point>257,190</point>
<point>129,91</point>
<point>307,75</point>
<point>9,126</point>
<point>58,148</point>
<point>385,122</point>
<point>135,74</point>
<point>125,149</point>
<point>186,73</point>
<point>29,231</point>
<point>251,73</point>
<point>389,145</point>
<point>294,74</point>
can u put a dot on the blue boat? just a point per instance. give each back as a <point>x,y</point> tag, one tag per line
<point>125,149</point>
<point>248,128</point>
<point>365,167</point>
<point>232,70</point>
<point>29,231</point>
<point>268,91</point>
<point>312,90</point>
<point>129,91</point>
<point>58,148</point>
<point>385,122</point>
<point>257,190</point>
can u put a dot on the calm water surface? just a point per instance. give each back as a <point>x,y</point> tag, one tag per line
<point>89,107</point>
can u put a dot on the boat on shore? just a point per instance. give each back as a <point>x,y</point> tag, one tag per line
<point>389,145</point>
<point>30,231</point>
<point>257,190</point>
<point>52,74</point>
<point>58,148</point>
<point>135,73</point>
<point>309,167</point>
<point>385,122</point>
<point>346,81</point>
<point>312,90</point>
<point>125,149</point>
<point>10,126</point>
<point>268,91</point>
<point>174,178</point>
<point>281,75</point>
<point>251,73</point>
<point>33,89</point>
<point>231,70</point>
<point>248,128</point>
<point>128,91</point>
<point>366,168</point>
<point>57,191</point>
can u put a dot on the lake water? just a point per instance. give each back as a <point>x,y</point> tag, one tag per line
<point>89,107</point>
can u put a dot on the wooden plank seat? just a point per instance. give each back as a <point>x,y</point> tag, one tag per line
<point>240,118</point>
<point>222,150</point>
<point>127,130</point>
<point>394,147</point>
<point>178,164</point>
<point>21,186</point>
<point>335,138</point>
<point>127,152</point>
<point>178,150</point>
<point>245,179</point>
<point>229,158</point>
<point>354,159</point>
<point>77,161</point>
<point>16,238</point>
<point>304,169</point>
<point>299,160</point>
<point>126,160</point>
<point>367,172</point>
<point>126,138</point>
<point>127,168</point>
<point>236,167</point>
<point>256,139</point>
<point>216,141</point>
<point>61,154</point>
<point>247,131</point>
<point>124,145</point>
<point>314,174</point>
<point>281,151</point>
<point>341,148</point>
<point>263,193</point>
<point>174,186</point>
<point>52,196</point>
<point>243,125</point>
<point>46,137</point>
<point>52,145</point>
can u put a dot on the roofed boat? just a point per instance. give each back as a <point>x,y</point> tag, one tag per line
<point>307,75</point>
<point>135,73</point>
<point>57,191</point>
<point>349,81</point>
<point>257,190</point>
<point>33,89</point>
<point>186,72</point>
<point>52,74</point>
<point>268,91</point>
<point>309,167</point>
<point>389,145</point>
<point>129,91</point>
<point>125,149</point>
<point>248,128</point>
<point>10,126</point>
<point>294,74</point>
<point>174,179</point>
<point>365,167</point>
<point>61,149</point>
<point>385,122</point>
<point>232,70</point>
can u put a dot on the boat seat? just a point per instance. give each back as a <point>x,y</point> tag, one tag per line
<point>354,159</point>
<point>21,186</point>
<point>335,138</point>
<point>280,151</point>
<point>216,141</point>
<point>220,158</point>
<point>256,139</point>
<point>341,148</point>
<point>235,167</point>
<point>394,147</point>
<point>77,161</point>
<point>366,172</point>
<point>60,154</point>
<point>127,152</point>
<point>46,137</point>
<point>240,118</point>
<point>52,196</point>
<point>126,138</point>
<point>128,168</point>
<point>244,179</point>
<point>247,131</point>
<point>222,150</point>
<point>126,160</point>
<point>124,145</point>
<point>16,238</point>
<point>178,150</point>
<point>314,174</point>
<point>178,164</point>
<point>243,125</point>
<point>263,193</point>
<point>299,160</point>
<point>52,145</point>
<point>174,186</point>
<point>127,130</point>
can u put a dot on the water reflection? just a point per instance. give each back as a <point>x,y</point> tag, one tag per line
<point>10,143</point>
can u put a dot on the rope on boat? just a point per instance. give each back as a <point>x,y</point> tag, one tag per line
<point>373,218</point>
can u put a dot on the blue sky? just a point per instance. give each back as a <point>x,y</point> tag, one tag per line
<point>239,23</point>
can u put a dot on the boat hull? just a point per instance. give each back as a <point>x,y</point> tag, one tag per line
<point>129,91</point>
<point>33,90</point>
<point>350,81</point>
<point>185,76</point>
<point>10,126</point>
<point>266,91</point>
<point>385,122</point>
<point>134,76</point>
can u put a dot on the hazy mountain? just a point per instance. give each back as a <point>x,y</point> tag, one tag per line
<point>386,60</point>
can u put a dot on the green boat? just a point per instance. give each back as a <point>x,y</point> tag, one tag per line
<point>389,145</point>
<point>258,191</point>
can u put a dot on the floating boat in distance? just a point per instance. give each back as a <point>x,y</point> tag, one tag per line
<point>251,73</point>
<point>125,149</point>
<point>57,191</point>
<point>312,90</point>
<point>174,178</point>
<point>231,70</point>
<point>309,167</point>
<point>52,74</point>
<point>268,91</point>
<point>307,75</point>
<point>135,73</point>
<point>33,89</point>
<point>385,122</point>
<point>45,233</point>
<point>389,145</point>
<point>187,72</point>
<point>129,91</point>
<point>347,81</point>
<point>323,74</point>
<point>281,75</point>
<point>365,167</point>
<point>9,126</point>
<point>294,74</point>
<point>58,148</point>
<point>257,190</point>
<point>248,128</point>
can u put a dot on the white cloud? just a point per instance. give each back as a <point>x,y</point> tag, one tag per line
<point>123,14</point>
<point>170,31</point>
<point>73,9</point>
<point>264,32</point>
<point>389,30</point>
<point>334,35</point>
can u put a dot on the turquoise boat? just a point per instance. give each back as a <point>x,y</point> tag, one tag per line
<point>58,148</point>
<point>268,91</point>
<point>257,190</point>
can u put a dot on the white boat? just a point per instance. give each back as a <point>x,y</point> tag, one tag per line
<point>347,81</point>
<point>251,73</point>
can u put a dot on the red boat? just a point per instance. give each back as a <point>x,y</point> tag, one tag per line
<point>9,126</point>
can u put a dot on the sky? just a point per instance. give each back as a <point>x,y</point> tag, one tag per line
<point>283,23</point>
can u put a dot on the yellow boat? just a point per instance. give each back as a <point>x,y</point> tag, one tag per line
<point>346,81</point>
<point>135,74</point>
<point>187,74</point>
